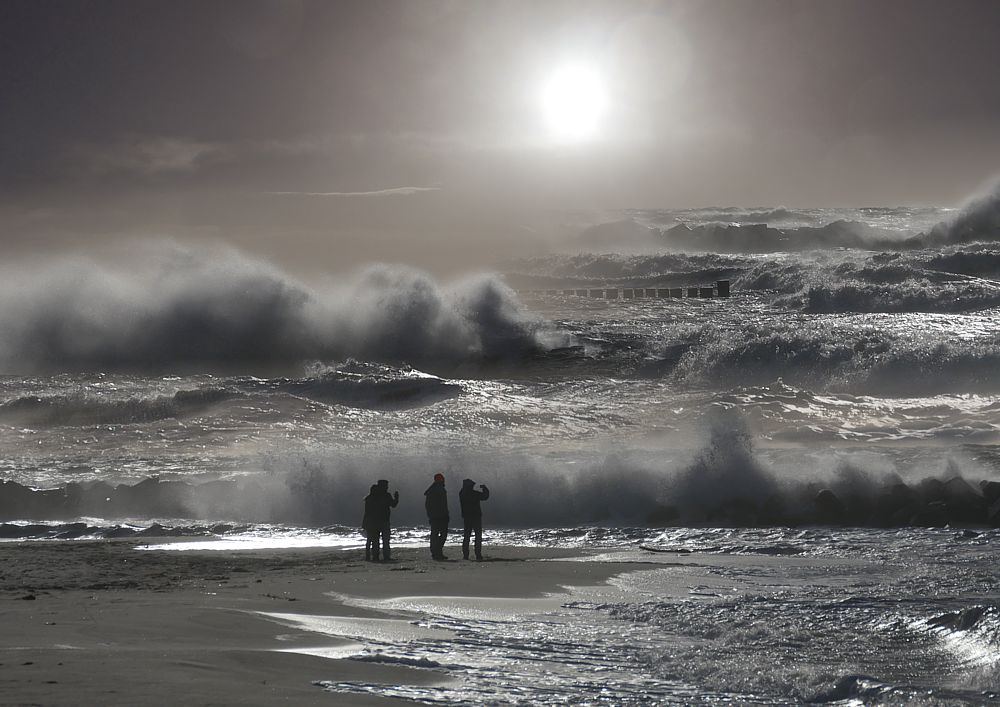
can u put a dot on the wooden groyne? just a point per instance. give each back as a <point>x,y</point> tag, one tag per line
<point>719,289</point>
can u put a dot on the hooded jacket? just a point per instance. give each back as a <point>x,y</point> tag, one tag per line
<point>371,505</point>
<point>436,501</point>
<point>381,505</point>
<point>469,498</point>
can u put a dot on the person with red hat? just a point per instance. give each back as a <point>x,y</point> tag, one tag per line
<point>436,503</point>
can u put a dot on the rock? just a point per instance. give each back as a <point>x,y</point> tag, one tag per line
<point>931,490</point>
<point>737,512</point>
<point>662,516</point>
<point>993,514</point>
<point>829,508</point>
<point>933,515</point>
<point>966,504</point>
<point>14,499</point>
<point>895,506</point>
<point>990,490</point>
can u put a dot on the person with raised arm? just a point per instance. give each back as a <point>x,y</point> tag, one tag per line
<point>472,515</point>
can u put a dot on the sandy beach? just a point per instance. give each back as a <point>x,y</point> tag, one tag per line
<point>102,622</point>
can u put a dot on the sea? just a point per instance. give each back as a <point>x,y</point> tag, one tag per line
<point>807,468</point>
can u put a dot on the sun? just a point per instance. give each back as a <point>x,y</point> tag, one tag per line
<point>574,102</point>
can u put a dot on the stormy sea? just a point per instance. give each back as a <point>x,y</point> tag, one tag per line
<point>838,410</point>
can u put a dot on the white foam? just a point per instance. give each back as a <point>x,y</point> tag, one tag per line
<point>390,631</point>
<point>246,543</point>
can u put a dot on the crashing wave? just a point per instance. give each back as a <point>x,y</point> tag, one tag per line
<point>913,296</point>
<point>190,310</point>
<point>830,354</point>
<point>586,269</point>
<point>373,386</point>
<point>45,411</point>
<point>978,221</point>
<point>769,230</point>
<point>952,280</point>
<point>762,238</point>
<point>724,483</point>
<point>734,215</point>
<point>354,384</point>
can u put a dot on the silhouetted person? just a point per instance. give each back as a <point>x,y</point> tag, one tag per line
<point>382,508</point>
<point>436,503</point>
<point>472,515</point>
<point>371,534</point>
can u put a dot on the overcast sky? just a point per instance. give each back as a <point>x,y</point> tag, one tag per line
<point>296,126</point>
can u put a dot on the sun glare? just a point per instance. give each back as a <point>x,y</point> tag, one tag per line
<point>574,102</point>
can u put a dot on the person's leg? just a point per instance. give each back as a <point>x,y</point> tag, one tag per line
<point>439,533</point>
<point>479,539</point>
<point>368,545</point>
<point>465,539</point>
<point>435,534</point>
<point>373,534</point>
<point>385,541</point>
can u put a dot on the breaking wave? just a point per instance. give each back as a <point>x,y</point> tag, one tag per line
<point>769,230</point>
<point>979,220</point>
<point>762,238</point>
<point>868,357</point>
<point>352,384</point>
<point>973,632</point>
<point>724,483</point>
<point>368,385</point>
<point>960,279</point>
<point>220,309</point>
<point>43,411</point>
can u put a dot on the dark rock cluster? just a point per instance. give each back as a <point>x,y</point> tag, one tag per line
<point>930,503</point>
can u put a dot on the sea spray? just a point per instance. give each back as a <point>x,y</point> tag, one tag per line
<point>222,310</point>
<point>723,481</point>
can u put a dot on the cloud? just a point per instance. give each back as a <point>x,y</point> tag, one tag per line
<point>149,155</point>
<point>394,191</point>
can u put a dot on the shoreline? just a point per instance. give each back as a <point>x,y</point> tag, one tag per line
<point>100,622</point>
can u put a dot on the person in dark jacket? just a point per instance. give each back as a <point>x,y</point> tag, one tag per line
<point>371,538</point>
<point>472,515</point>
<point>436,503</point>
<point>384,503</point>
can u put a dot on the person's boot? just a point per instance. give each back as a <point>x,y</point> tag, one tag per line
<point>368,555</point>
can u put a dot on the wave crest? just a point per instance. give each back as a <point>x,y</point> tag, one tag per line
<point>220,309</point>
<point>45,411</point>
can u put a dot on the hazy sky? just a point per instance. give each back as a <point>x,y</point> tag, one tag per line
<point>289,127</point>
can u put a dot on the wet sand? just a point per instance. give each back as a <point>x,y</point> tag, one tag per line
<point>102,623</point>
